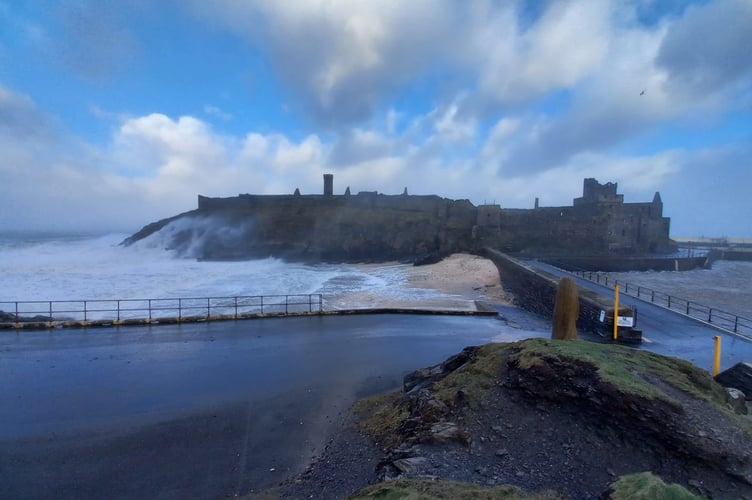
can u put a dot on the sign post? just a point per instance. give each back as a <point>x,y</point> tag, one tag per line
<point>616,312</point>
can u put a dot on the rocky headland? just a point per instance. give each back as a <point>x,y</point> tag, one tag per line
<point>374,227</point>
<point>541,419</point>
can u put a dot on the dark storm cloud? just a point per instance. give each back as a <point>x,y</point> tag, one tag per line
<point>710,47</point>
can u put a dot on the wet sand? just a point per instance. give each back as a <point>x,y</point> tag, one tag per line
<point>455,283</point>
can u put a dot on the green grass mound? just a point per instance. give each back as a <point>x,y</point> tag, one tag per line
<point>628,369</point>
<point>646,486</point>
<point>427,489</point>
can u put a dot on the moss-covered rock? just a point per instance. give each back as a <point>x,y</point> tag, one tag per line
<point>427,489</point>
<point>647,486</point>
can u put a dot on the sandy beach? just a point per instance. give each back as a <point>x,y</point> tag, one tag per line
<point>454,283</point>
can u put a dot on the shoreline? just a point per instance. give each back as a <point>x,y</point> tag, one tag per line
<point>453,284</point>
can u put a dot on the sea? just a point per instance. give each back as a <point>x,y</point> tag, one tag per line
<point>726,286</point>
<point>55,267</point>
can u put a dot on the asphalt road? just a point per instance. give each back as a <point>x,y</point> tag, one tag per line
<point>667,332</point>
<point>201,410</point>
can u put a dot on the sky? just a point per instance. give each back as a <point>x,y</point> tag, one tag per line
<point>114,114</point>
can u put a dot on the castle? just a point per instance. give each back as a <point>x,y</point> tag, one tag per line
<point>369,226</point>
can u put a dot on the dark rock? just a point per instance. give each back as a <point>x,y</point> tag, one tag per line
<point>409,465</point>
<point>444,432</point>
<point>426,377</point>
<point>738,376</point>
<point>735,400</point>
<point>426,259</point>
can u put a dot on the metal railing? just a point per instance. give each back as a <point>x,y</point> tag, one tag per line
<point>138,311</point>
<point>721,319</point>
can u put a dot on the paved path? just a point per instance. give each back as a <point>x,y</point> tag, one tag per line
<point>667,332</point>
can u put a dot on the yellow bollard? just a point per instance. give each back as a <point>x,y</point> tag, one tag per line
<point>616,312</point>
<point>717,358</point>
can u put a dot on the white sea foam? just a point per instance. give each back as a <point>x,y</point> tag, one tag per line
<point>726,286</point>
<point>98,268</point>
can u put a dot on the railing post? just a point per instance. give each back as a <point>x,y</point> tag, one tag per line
<point>118,311</point>
<point>208,308</point>
<point>85,319</point>
<point>262,304</point>
<point>652,295</point>
<point>180,309</point>
<point>669,301</point>
<point>310,303</point>
<point>236,307</point>
<point>710,314</point>
<point>149,310</point>
<point>287,298</point>
<point>687,308</point>
<point>736,323</point>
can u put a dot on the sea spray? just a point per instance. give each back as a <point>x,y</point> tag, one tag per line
<point>98,268</point>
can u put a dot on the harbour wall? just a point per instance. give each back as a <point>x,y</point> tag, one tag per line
<point>536,291</point>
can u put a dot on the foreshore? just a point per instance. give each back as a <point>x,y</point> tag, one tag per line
<point>455,283</point>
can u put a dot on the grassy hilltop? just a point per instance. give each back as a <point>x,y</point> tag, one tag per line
<point>540,419</point>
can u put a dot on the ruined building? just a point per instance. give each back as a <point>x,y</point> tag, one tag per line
<point>369,226</point>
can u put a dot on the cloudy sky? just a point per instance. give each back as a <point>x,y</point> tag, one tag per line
<point>117,113</point>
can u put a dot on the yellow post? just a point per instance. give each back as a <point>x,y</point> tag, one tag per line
<point>616,312</point>
<point>717,357</point>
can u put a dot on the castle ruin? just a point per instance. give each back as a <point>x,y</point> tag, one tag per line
<point>369,226</point>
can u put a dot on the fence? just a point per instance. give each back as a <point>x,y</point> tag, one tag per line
<point>139,311</point>
<point>721,319</point>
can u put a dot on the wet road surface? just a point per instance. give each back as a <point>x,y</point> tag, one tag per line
<point>200,410</point>
<point>669,333</point>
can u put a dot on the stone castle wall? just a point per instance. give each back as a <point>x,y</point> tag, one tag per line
<point>375,227</point>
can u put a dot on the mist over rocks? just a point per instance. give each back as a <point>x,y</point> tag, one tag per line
<point>320,229</point>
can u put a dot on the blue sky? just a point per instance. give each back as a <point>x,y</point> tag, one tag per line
<point>114,114</point>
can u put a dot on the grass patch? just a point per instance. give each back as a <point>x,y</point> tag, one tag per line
<point>426,489</point>
<point>646,486</point>
<point>474,379</point>
<point>381,415</point>
<point>625,368</point>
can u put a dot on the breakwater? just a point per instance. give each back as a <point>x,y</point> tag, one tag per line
<point>535,291</point>
<point>613,264</point>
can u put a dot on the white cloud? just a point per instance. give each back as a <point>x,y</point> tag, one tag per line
<point>216,112</point>
<point>341,58</point>
<point>569,41</point>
